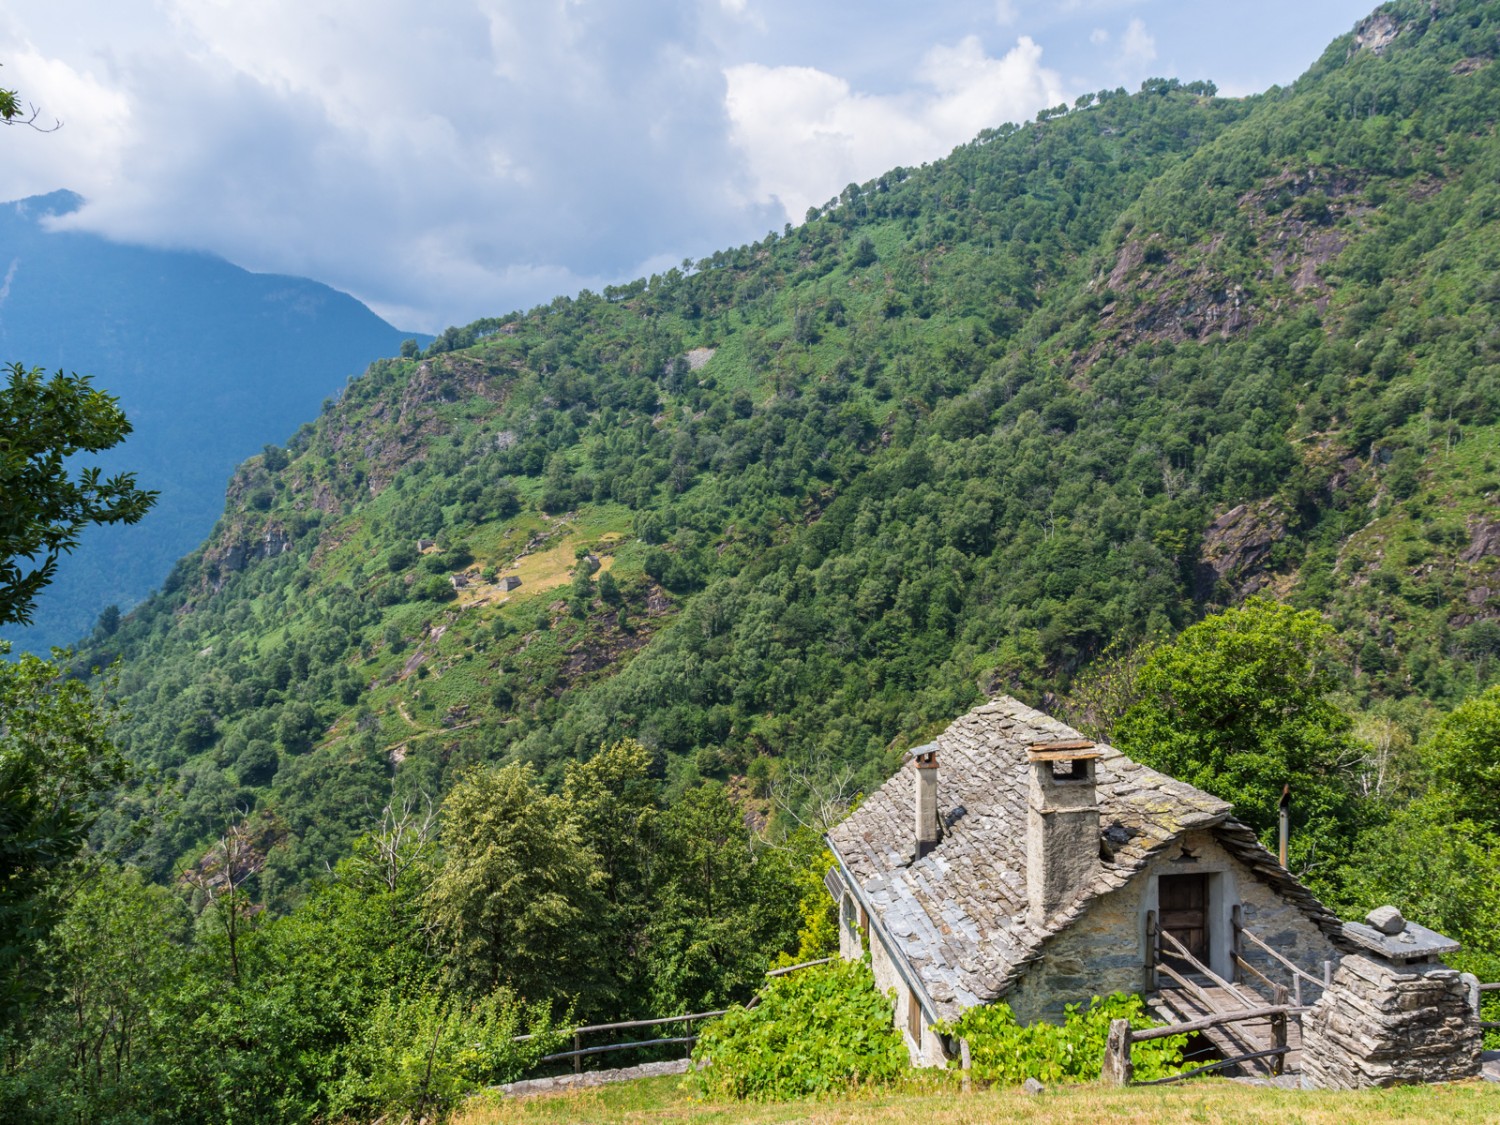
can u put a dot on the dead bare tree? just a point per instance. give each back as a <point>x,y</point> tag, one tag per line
<point>403,841</point>
<point>814,796</point>
<point>218,879</point>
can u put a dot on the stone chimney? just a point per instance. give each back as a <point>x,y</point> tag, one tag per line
<point>1062,825</point>
<point>925,761</point>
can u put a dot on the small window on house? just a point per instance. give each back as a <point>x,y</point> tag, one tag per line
<point>914,1018</point>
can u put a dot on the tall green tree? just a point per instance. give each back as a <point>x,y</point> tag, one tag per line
<point>1465,756</point>
<point>613,802</point>
<point>516,899</point>
<point>57,761</point>
<point>1240,705</point>
<point>723,906</point>
<point>100,1047</point>
<point>44,504</point>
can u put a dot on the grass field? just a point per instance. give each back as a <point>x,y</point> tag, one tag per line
<point>673,1100</point>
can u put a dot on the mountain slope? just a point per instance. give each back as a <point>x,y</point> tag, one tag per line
<point>210,363</point>
<point>1074,385</point>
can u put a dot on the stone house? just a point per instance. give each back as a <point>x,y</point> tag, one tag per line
<point>509,583</point>
<point>1012,859</point>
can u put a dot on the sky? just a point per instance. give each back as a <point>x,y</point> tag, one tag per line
<point>444,160</point>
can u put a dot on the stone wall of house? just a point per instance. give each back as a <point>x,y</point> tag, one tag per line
<point>926,1051</point>
<point>851,938</point>
<point>1103,951</point>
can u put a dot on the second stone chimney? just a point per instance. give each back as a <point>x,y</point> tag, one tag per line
<point>925,761</point>
<point>1062,825</point>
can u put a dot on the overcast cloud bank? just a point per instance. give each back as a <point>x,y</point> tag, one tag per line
<point>445,162</point>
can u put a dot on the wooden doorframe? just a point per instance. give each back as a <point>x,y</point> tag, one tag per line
<point>1222,888</point>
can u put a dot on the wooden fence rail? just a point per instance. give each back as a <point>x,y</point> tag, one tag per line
<point>1298,974</point>
<point>1476,989</point>
<point>1183,953</point>
<point>1120,1071</point>
<point>580,1052</point>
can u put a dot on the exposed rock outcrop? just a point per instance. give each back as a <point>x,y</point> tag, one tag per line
<point>1236,548</point>
<point>1484,541</point>
<point>1376,33</point>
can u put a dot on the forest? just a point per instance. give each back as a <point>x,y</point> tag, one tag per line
<point>1173,415</point>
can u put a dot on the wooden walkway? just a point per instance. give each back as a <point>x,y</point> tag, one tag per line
<point>1173,1003</point>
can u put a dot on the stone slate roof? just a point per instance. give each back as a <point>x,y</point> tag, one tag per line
<point>959,915</point>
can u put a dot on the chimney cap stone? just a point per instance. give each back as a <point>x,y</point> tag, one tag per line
<point>1411,943</point>
<point>1061,750</point>
<point>1386,919</point>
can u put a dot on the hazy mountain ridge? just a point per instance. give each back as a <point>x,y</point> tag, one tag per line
<point>964,430</point>
<point>209,361</point>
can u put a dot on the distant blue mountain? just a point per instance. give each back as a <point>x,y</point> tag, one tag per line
<point>210,362</point>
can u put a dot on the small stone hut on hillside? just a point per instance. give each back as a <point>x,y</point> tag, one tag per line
<point>1014,859</point>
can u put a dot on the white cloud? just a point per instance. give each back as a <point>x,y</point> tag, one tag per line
<point>807,133</point>
<point>442,163</point>
<point>1098,37</point>
<point>1137,47</point>
<point>97,122</point>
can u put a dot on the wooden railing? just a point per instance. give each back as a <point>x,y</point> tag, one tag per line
<point>580,1052</point>
<point>1476,990</point>
<point>1278,1048</point>
<point>1239,964</point>
<point>1119,1070</point>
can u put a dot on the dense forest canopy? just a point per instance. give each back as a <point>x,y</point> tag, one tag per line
<point>1101,411</point>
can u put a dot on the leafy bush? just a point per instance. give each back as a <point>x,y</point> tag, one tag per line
<point>420,1054</point>
<point>818,1031</point>
<point>1003,1050</point>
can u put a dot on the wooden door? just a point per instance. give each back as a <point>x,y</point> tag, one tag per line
<point>1182,902</point>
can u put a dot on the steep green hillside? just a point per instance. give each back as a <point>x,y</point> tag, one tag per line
<point>963,430</point>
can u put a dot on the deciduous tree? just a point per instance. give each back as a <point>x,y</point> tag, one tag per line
<point>44,504</point>
<point>1240,705</point>
<point>516,900</point>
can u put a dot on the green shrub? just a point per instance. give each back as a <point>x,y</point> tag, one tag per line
<point>1005,1051</point>
<point>418,1055</point>
<point>818,1031</point>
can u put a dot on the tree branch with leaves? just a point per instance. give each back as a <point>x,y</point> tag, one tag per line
<point>44,506</point>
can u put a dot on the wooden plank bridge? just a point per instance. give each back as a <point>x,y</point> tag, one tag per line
<point>1253,1023</point>
<point>1257,1041</point>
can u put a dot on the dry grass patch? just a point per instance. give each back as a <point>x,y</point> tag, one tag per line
<point>673,1100</point>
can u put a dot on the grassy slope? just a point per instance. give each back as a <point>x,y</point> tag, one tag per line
<point>671,1099</point>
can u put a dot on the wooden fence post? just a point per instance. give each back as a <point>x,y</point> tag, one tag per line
<point>1118,1069</point>
<point>577,1059</point>
<point>1278,1031</point>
